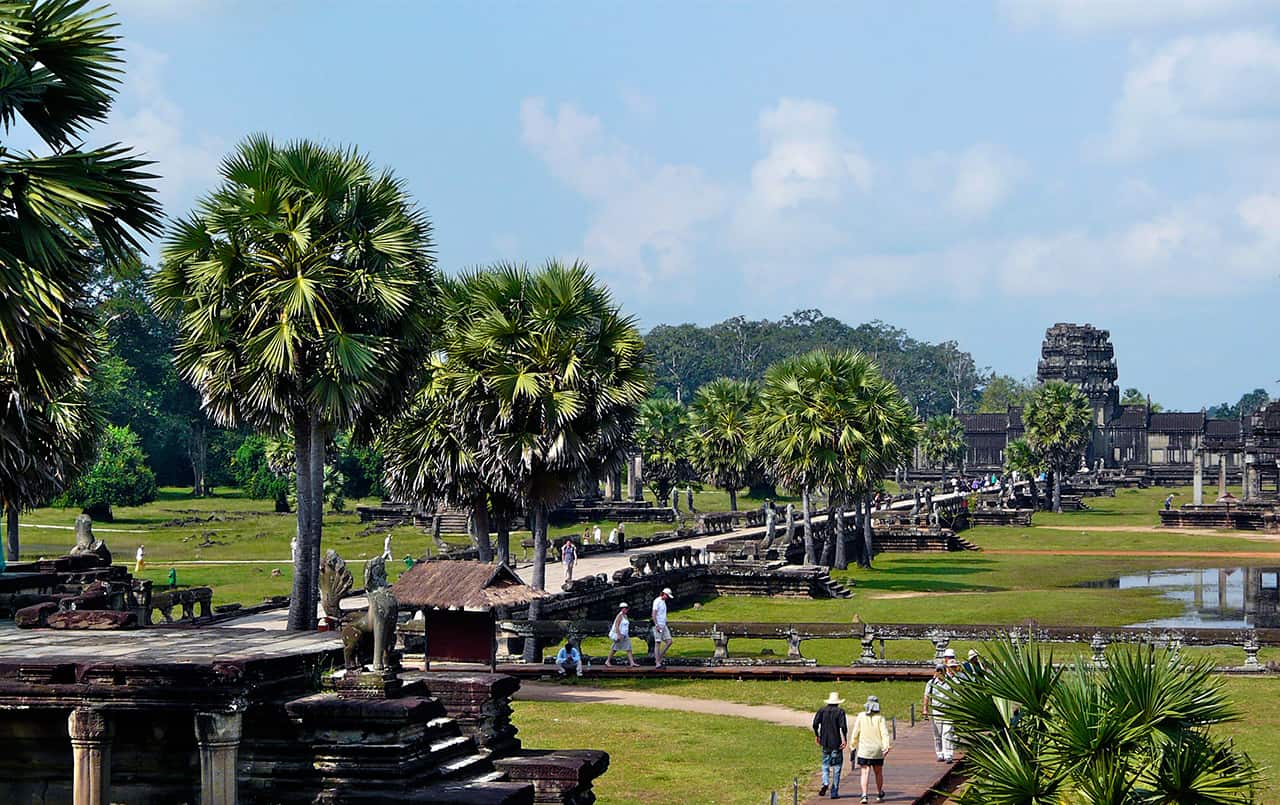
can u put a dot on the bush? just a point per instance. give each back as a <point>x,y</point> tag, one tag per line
<point>119,477</point>
<point>252,471</point>
<point>361,468</point>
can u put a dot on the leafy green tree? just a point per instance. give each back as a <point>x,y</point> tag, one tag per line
<point>304,292</point>
<point>1019,457</point>
<point>1002,392</point>
<point>943,441</point>
<point>662,435</point>
<point>1058,421</point>
<point>64,211</point>
<point>254,474</point>
<point>1249,402</point>
<point>829,420</point>
<point>552,374</point>
<point>118,477</point>
<point>720,435</point>
<point>1140,730</point>
<point>1133,396</point>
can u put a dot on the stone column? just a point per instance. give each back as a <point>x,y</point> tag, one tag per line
<point>218,735</point>
<point>636,489</point>
<point>1197,478</point>
<point>617,487</point>
<point>1246,478</point>
<point>91,732</point>
<point>1222,474</point>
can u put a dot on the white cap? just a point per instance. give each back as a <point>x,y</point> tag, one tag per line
<point>973,652</point>
<point>667,592</point>
<point>623,605</point>
<point>949,653</point>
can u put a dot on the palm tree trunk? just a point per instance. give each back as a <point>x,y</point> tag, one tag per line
<point>1035,492</point>
<point>480,529</point>
<point>198,452</point>
<point>503,529</point>
<point>319,441</point>
<point>532,648</point>
<point>1057,492</point>
<point>302,611</point>
<point>868,532</point>
<point>733,500</point>
<point>539,527</point>
<point>842,551</point>
<point>810,555</point>
<point>11,529</point>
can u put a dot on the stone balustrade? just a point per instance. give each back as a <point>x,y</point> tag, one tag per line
<point>666,560</point>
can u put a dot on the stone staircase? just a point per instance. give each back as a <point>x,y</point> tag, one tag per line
<point>833,588</point>
<point>963,544</point>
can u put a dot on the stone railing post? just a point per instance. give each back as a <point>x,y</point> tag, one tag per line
<point>721,641</point>
<point>91,732</point>
<point>793,645</point>
<point>868,647</point>
<point>1099,647</point>
<point>218,736</point>
<point>1251,648</point>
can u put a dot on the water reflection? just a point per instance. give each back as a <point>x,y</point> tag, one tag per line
<point>1225,598</point>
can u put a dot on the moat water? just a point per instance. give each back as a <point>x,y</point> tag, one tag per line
<point>1221,598</point>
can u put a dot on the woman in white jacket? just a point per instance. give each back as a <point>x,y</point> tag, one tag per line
<point>871,742</point>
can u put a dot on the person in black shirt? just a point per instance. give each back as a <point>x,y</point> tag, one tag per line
<point>831,733</point>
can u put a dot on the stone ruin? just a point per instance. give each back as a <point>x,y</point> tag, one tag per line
<point>83,590</point>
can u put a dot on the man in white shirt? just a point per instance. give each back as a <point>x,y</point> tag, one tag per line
<point>661,633</point>
<point>613,537</point>
<point>596,534</point>
<point>935,693</point>
<point>386,548</point>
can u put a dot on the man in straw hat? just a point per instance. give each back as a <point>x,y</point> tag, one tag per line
<point>661,632</point>
<point>831,733</point>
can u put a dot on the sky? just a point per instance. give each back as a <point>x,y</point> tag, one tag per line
<point>964,171</point>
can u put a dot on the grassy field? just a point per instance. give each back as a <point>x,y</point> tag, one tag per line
<point>658,757</point>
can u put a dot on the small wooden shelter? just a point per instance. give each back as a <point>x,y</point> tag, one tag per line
<point>458,600</point>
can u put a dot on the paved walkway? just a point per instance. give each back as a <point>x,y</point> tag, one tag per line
<point>911,771</point>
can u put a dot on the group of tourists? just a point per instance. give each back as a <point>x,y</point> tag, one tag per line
<point>870,739</point>
<point>569,658</point>
<point>569,549</point>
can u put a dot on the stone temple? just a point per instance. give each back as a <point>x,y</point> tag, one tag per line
<point>1158,445</point>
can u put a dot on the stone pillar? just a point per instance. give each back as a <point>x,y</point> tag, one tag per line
<point>218,735</point>
<point>1222,474</point>
<point>617,487</point>
<point>90,731</point>
<point>1197,478</point>
<point>1246,478</point>
<point>636,487</point>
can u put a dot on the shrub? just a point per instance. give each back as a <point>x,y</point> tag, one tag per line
<point>118,477</point>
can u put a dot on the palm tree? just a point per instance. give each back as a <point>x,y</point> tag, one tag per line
<point>720,445</point>
<point>662,435</point>
<point>1139,730</point>
<point>1058,421</point>
<point>943,441</point>
<point>1020,458</point>
<point>830,420</point>
<point>556,375</point>
<point>64,211</point>
<point>304,292</point>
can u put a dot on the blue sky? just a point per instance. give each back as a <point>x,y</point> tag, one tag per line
<point>965,171</point>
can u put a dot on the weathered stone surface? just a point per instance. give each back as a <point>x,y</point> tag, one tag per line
<point>558,776</point>
<point>35,616</point>
<point>93,619</point>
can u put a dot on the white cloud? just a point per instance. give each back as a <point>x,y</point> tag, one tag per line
<point>971,183</point>
<point>147,119</point>
<point>1084,16</point>
<point>1212,90</point>
<point>807,158</point>
<point>647,214</point>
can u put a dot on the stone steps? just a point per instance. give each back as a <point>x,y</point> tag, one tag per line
<point>834,588</point>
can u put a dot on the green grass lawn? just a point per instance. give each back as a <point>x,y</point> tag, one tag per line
<point>659,757</point>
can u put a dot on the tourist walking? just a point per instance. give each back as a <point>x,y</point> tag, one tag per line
<point>140,561</point>
<point>568,555</point>
<point>973,666</point>
<point>935,694</point>
<point>620,634</point>
<point>871,742</point>
<point>613,536</point>
<point>596,533</point>
<point>831,734</point>
<point>386,548</point>
<point>568,658</point>
<point>661,632</point>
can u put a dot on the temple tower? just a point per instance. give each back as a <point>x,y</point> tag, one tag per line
<point>1082,355</point>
